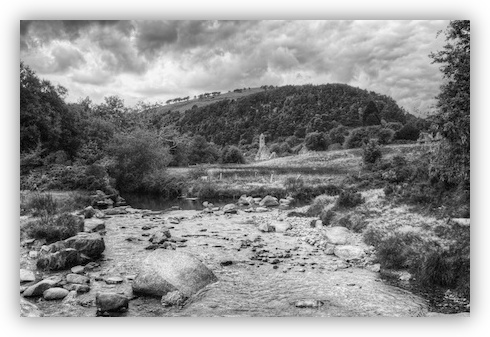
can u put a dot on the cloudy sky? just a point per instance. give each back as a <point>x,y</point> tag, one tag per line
<point>159,60</point>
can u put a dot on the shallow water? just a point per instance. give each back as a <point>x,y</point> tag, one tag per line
<point>247,287</point>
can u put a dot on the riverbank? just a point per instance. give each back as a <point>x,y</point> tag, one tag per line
<point>260,273</point>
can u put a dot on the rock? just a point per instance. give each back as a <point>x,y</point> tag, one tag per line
<point>164,271</point>
<point>225,263</point>
<point>281,226</point>
<point>173,220</point>
<point>71,298</point>
<point>269,201</point>
<point>39,288</point>
<point>89,244</point>
<point>88,212</point>
<point>257,200</point>
<point>62,259</point>
<point>284,201</point>
<point>261,210</point>
<point>464,222</point>
<point>348,252</point>
<point>265,227</point>
<point>94,225</point>
<point>283,206</point>
<point>79,279</point>
<point>55,293</point>
<point>27,276</point>
<point>374,267</point>
<point>111,302</point>
<point>329,249</point>
<point>114,280</point>
<point>77,270</point>
<point>337,235</point>
<point>91,265</point>
<point>173,298</point>
<point>316,223</point>
<point>103,204</point>
<point>308,303</point>
<point>244,200</point>
<point>116,211</point>
<point>206,204</point>
<point>78,288</point>
<point>28,309</point>
<point>230,209</point>
<point>33,254</point>
<point>161,236</point>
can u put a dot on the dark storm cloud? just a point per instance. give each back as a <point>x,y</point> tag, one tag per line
<point>153,35</point>
<point>61,59</point>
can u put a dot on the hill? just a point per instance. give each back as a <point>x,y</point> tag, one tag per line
<point>238,118</point>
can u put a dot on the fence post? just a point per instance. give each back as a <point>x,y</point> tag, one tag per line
<point>221,176</point>
<point>272,177</point>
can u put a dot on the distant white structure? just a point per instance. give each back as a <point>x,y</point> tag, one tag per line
<point>263,153</point>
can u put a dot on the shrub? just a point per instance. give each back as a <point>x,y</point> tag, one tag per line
<point>408,132</point>
<point>397,251</point>
<point>371,152</point>
<point>327,216</point>
<point>294,184</point>
<point>349,199</point>
<point>337,135</point>
<point>197,172</point>
<point>357,138</point>
<point>54,229</point>
<point>232,154</point>
<point>318,205</point>
<point>385,136</point>
<point>316,141</point>
<point>395,126</point>
<point>40,204</point>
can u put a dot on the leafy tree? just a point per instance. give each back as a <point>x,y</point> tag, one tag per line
<point>453,116</point>
<point>408,132</point>
<point>316,141</point>
<point>232,155</point>
<point>201,151</point>
<point>357,138</point>
<point>385,136</point>
<point>337,135</point>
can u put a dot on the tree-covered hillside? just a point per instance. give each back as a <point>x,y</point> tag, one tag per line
<point>289,110</point>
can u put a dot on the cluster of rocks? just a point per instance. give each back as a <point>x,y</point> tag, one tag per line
<point>249,204</point>
<point>100,200</point>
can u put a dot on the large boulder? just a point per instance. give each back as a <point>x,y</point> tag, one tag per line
<point>164,271</point>
<point>280,226</point>
<point>161,236</point>
<point>28,309</point>
<point>269,201</point>
<point>89,244</point>
<point>111,302</point>
<point>55,293</point>
<point>349,252</point>
<point>230,208</point>
<point>62,259</point>
<point>266,227</point>
<point>338,235</point>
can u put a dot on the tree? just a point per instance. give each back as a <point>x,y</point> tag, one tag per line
<point>316,141</point>
<point>452,120</point>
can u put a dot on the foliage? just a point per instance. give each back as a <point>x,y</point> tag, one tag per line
<point>316,141</point>
<point>371,152</point>
<point>385,136</point>
<point>232,155</point>
<point>136,155</point>
<point>349,199</point>
<point>327,216</point>
<point>408,132</point>
<point>202,152</point>
<point>357,138</point>
<point>54,229</point>
<point>453,117</point>
<point>337,135</point>
<point>41,203</point>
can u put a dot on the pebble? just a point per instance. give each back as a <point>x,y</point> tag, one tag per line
<point>114,280</point>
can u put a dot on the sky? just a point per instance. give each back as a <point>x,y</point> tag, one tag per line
<point>154,61</point>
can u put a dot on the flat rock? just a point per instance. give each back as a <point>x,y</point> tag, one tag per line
<point>348,252</point>
<point>261,210</point>
<point>337,235</point>
<point>265,227</point>
<point>165,271</point>
<point>61,259</point>
<point>230,209</point>
<point>76,278</point>
<point>94,225</point>
<point>55,293</point>
<point>77,270</point>
<point>114,280</point>
<point>39,288</point>
<point>111,302</point>
<point>28,309</point>
<point>27,275</point>
<point>281,226</point>
<point>269,201</point>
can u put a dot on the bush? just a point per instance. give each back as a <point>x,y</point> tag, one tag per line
<point>371,152</point>
<point>232,155</point>
<point>385,136</point>
<point>397,251</point>
<point>337,135</point>
<point>357,138</point>
<point>40,204</point>
<point>54,229</point>
<point>349,199</point>
<point>318,205</point>
<point>327,216</point>
<point>294,184</point>
<point>316,141</point>
<point>395,126</point>
<point>408,132</point>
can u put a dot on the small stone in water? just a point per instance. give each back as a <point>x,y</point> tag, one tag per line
<point>114,280</point>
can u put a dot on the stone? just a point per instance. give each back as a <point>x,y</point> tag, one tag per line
<point>230,209</point>
<point>348,252</point>
<point>244,200</point>
<point>62,259</point>
<point>164,271</point>
<point>161,236</point>
<point>39,288</point>
<point>78,288</point>
<point>173,220</point>
<point>284,201</point>
<point>329,249</point>
<point>269,201</point>
<point>265,227</point>
<point>308,303</point>
<point>94,225</point>
<point>28,309</point>
<point>55,293</point>
<point>261,210</point>
<point>27,275</point>
<point>33,254</point>
<point>173,298</point>
<point>337,235</point>
<point>77,270</point>
<point>116,211</point>
<point>281,226</point>
<point>88,212</point>
<point>114,280</point>
<point>315,223</point>
<point>79,279</point>
<point>257,200</point>
<point>375,268</point>
<point>71,298</point>
<point>111,302</point>
<point>89,244</point>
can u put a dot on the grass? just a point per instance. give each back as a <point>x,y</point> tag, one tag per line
<point>53,228</point>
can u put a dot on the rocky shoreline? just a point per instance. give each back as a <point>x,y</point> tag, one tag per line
<point>228,244</point>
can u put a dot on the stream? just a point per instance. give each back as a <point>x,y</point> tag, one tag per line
<point>262,280</point>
